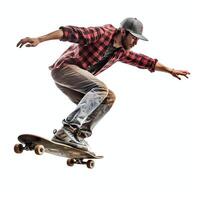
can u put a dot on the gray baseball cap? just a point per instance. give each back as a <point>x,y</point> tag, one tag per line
<point>134,26</point>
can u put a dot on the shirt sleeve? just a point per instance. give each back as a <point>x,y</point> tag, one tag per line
<point>138,60</point>
<point>81,35</point>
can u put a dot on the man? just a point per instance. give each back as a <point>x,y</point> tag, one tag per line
<point>74,73</point>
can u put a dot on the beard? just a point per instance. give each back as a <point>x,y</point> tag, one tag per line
<point>124,44</point>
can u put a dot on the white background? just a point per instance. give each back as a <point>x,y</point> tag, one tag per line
<point>150,139</point>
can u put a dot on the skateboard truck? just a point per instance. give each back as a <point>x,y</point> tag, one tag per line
<point>39,149</point>
<point>90,163</point>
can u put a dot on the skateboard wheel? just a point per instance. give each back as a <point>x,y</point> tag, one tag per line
<point>39,149</point>
<point>90,164</point>
<point>70,162</point>
<point>18,148</point>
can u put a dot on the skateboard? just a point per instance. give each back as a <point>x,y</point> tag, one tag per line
<point>40,145</point>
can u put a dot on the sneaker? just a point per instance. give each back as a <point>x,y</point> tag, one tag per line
<point>81,138</point>
<point>66,136</point>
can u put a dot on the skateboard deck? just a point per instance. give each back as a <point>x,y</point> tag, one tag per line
<point>40,145</point>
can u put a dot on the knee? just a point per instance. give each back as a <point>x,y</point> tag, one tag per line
<point>110,98</point>
<point>101,89</point>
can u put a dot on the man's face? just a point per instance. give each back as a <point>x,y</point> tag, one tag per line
<point>129,41</point>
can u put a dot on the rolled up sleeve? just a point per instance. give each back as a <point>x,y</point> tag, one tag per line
<point>139,60</point>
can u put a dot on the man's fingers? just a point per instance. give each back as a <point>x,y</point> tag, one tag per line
<point>185,74</point>
<point>20,43</point>
<point>178,73</point>
<point>176,76</point>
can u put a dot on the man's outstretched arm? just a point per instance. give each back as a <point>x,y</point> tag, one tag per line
<point>144,62</point>
<point>172,71</point>
<point>32,42</point>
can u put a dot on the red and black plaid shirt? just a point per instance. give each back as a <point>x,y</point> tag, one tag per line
<point>91,45</point>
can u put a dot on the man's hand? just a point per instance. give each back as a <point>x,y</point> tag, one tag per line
<point>29,42</point>
<point>178,73</point>
<point>173,72</point>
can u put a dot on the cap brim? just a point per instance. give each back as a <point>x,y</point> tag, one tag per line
<point>139,36</point>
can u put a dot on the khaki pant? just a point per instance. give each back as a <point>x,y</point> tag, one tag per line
<point>91,95</point>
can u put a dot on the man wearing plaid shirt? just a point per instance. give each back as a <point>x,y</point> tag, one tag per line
<point>94,50</point>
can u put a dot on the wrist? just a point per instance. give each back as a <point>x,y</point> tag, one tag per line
<point>40,39</point>
<point>171,70</point>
